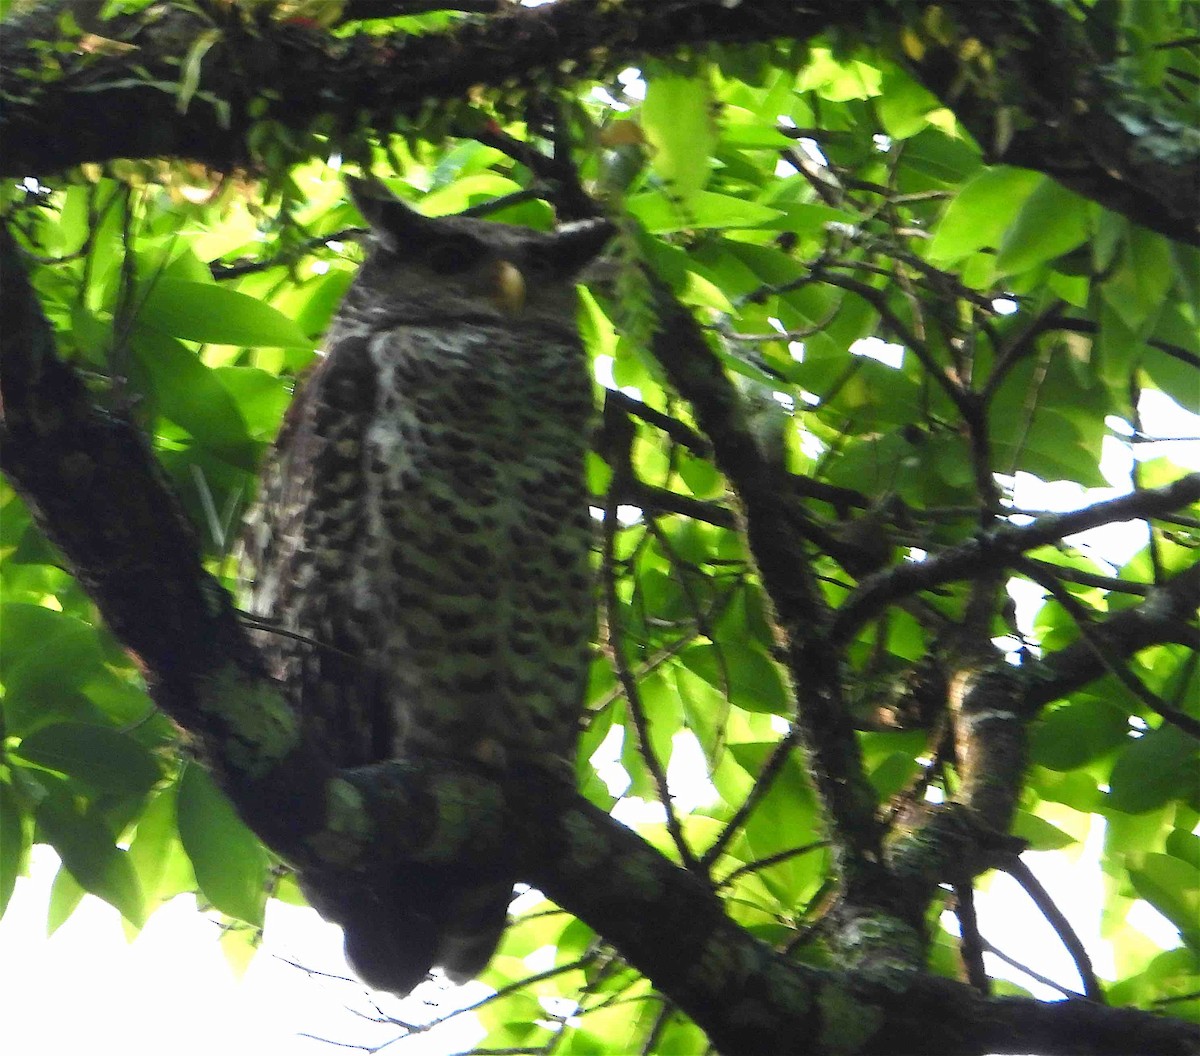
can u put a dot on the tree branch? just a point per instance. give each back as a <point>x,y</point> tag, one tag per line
<point>775,530</point>
<point>1076,120</point>
<point>1000,548</point>
<point>1024,876</point>
<point>1081,123</point>
<point>1167,615</point>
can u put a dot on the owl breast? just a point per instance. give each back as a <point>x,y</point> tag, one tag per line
<point>476,538</point>
<point>428,551</point>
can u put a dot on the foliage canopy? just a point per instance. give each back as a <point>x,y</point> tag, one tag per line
<point>867,290</point>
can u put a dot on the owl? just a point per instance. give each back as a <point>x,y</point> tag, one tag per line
<point>421,547</point>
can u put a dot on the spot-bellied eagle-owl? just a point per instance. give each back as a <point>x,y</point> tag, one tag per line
<point>421,544</point>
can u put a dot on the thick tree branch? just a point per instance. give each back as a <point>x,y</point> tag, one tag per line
<point>1074,120</point>
<point>1080,121</point>
<point>97,492</point>
<point>776,530</point>
<point>131,105</point>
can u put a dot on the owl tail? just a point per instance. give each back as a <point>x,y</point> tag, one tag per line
<point>432,919</point>
<point>470,937</point>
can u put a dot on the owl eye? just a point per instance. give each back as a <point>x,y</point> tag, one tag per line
<point>452,256</point>
<point>539,262</point>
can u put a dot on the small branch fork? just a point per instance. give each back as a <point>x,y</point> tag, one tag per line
<point>1115,667</point>
<point>1023,875</point>
<point>1002,546</point>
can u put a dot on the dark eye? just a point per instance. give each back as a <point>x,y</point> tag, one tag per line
<point>540,262</point>
<point>452,256</point>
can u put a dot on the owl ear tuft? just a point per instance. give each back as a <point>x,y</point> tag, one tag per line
<point>576,244</point>
<point>392,221</point>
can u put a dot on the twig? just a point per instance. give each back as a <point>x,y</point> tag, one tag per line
<point>1119,671</point>
<point>1002,546</point>
<point>678,431</point>
<point>971,942</point>
<point>995,951</point>
<point>526,194</point>
<point>660,500</point>
<point>772,859</point>
<point>1023,875</point>
<point>762,785</point>
<point>628,683</point>
<point>225,272</point>
<point>573,202</point>
<point>365,9</point>
<point>1091,579</point>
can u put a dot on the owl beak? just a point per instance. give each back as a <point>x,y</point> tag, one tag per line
<point>508,288</point>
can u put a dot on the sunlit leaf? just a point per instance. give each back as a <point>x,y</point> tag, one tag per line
<point>100,757</point>
<point>88,850</point>
<point>14,843</point>
<point>209,312</point>
<point>230,863</point>
<point>1052,221</point>
<point>678,124</point>
<point>1173,888</point>
<point>981,212</point>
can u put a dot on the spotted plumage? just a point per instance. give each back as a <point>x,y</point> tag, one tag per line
<point>421,546</point>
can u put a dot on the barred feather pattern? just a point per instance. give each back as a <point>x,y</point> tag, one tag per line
<point>421,548</point>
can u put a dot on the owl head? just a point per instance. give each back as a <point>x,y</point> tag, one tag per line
<point>451,267</point>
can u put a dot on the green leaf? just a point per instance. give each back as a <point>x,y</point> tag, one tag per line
<point>315,316</point>
<point>1137,288</point>
<point>981,212</point>
<point>86,846</point>
<point>261,398</point>
<point>102,758</point>
<point>749,677</point>
<point>65,896</point>
<point>214,314</point>
<point>14,843</point>
<point>660,213</point>
<point>156,852</point>
<point>1042,836</point>
<point>1185,846</point>
<point>40,644</point>
<point>893,774</point>
<point>678,125</point>
<point>230,863</point>
<point>1173,888</point>
<point>1153,770</point>
<point>1074,734</point>
<point>191,395</point>
<point>468,191</point>
<point>1052,221</point>
<point>838,80</point>
<point>904,105</point>
<point>46,659</point>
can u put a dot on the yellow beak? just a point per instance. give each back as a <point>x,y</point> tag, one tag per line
<point>508,288</point>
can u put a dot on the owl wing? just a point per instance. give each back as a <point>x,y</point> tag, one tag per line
<point>303,545</point>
